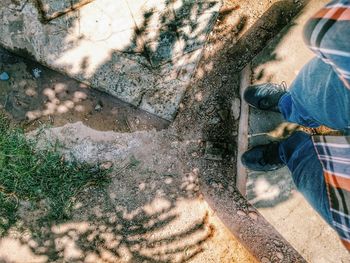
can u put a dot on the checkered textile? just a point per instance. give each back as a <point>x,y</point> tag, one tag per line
<point>327,33</point>
<point>334,154</point>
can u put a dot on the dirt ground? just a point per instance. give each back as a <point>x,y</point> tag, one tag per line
<point>154,210</point>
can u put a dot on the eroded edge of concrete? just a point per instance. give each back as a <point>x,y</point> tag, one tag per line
<point>249,226</point>
<point>153,94</point>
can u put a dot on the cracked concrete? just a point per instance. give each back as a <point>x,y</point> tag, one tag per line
<point>142,52</point>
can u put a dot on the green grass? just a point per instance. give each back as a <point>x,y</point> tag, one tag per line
<point>33,175</point>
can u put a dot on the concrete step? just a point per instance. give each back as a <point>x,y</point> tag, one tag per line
<point>142,52</point>
<point>35,95</point>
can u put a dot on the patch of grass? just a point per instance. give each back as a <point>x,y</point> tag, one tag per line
<point>37,175</point>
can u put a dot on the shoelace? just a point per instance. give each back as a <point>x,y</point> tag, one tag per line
<point>284,85</point>
<point>264,103</point>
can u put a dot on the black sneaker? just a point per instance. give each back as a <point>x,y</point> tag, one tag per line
<point>265,96</point>
<point>263,158</point>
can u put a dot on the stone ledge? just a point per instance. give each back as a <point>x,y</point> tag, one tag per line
<point>121,47</point>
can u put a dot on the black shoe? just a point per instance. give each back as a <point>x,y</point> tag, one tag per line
<point>265,96</point>
<point>263,158</point>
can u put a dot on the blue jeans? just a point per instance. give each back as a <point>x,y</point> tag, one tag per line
<point>316,97</point>
<point>298,153</point>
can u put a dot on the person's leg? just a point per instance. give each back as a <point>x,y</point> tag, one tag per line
<point>317,97</point>
<point>293,113</point>
<point>298,153</point>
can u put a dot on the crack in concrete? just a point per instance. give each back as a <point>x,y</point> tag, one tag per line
<point>45,18</point>
<point>292,210</point>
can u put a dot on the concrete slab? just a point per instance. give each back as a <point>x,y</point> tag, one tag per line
<point>274,193</point>
<point>52,6</point>
<point>53,99</point>
<point>121,47</point>
<point>152,211</point>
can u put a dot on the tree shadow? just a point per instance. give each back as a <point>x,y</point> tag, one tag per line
<point>270,188</point>
<point>110,233</point>
<point>269,54</point>
<point>145,214</point>
<point>53,99</point>
<point>265,34</point>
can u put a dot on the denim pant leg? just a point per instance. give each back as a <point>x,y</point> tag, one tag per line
<point>292,113</point>
<point>298,153</point>
<point>317,97</point>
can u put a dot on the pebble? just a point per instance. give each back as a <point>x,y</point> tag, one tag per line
<point>236,108</point>
<point>223,114</point>
<point>4,76</point>
<point>214,120</point>
<point>265,260</point>
<point>253,215</point>
<point>98,107</point>
<point>37,73</point>
<point>106,165</point>
<point>241,213</point>
<point>280,255</point>
<point>278,243</point>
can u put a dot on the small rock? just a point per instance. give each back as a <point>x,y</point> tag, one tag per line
<point>277,243</point>
<point>37,73</point>
<point>224,78</point>
<point>98,107</point>
<point>214,120</point>
<point>215,185</point>
<point>280,255</point>
<point>31,92</point>
<point>4,76</point>
<point>214,151</point>
<point>253,215</point>
<point>236,108</point>
<point>223,114</point>
<point>106,165</point>
<point>241,213</point>
<point>265,260</point>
